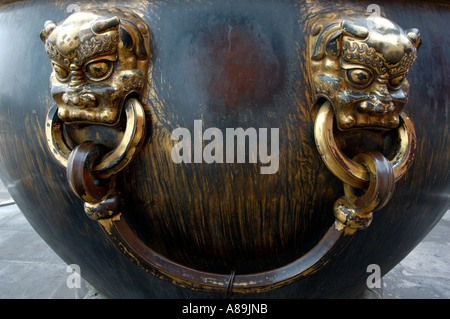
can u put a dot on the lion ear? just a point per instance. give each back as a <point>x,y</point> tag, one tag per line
<point>414,35</point>
<point>354,30</point>
<point>327,41</point>
<point>105,25</point>
<point>49,26</point>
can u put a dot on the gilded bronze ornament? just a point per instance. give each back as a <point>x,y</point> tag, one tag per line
<point>100,62</point>
<point>358,65</point>
<point>98,59</point>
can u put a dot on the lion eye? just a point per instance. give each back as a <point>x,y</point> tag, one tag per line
<point>99,70</point>
<point>359,77</point>
<point>397,81</point>
<point>61,73</point>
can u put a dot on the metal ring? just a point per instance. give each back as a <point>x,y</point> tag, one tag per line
<point>112,162</point>
<point>79,172</point>
<point>349,171</point>
<point>381,185</point>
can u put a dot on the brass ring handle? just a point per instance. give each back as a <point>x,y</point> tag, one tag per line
<point>349,171</point>
<point>112,162</point>
<point>79,172</point>
<point>355,211</point>
<point>369,171</point>
<point>381,184</point>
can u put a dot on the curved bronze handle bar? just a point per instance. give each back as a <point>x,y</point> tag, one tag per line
<point>332,243</point>
<point>120,233</point>
<point>349,171</point>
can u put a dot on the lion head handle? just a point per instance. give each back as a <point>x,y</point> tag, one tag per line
<point>359,63</point>
<point>98,59</point>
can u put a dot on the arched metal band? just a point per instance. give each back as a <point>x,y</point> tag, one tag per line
<point>126,240</point>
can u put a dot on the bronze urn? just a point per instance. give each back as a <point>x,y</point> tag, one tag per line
<point>211,149</point>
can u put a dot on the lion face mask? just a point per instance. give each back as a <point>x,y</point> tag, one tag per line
<point>98,59</point>
<point>359,63</point>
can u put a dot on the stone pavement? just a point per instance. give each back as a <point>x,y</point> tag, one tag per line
<point>29,269</point>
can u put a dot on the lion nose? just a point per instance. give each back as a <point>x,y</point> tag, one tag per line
<point>376,107</point>
<point>379,103</point>
<point>81,100</point>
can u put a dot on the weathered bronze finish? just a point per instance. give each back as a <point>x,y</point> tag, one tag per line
<point>105,203</point>
<point>225,229</point>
